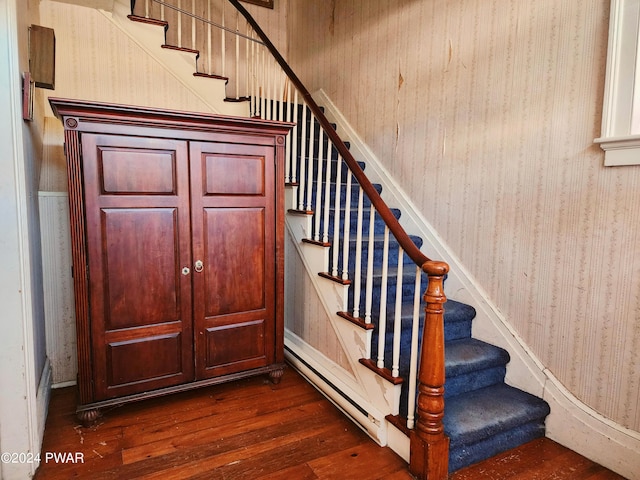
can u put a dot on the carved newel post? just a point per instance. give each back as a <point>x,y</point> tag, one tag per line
<point>429,445</point>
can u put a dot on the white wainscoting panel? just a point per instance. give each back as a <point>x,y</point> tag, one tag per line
<point>58,286</point>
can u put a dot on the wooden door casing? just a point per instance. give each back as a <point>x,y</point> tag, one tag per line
<point>138,239</point>
<point>234,235</point>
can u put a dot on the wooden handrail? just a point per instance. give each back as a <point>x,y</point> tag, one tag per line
<point>429,452</point>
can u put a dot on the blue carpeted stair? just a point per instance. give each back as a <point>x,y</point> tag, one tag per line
<point>483,415</point>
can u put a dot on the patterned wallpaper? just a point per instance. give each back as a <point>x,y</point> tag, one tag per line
<point>485,112</point>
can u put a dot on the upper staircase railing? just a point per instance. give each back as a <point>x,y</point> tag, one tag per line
<point>329,180</point>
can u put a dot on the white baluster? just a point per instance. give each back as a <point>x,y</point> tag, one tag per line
<point>347,228</point>
<point>254,72</point>
<point>193,25</point>
<point>303,153</point>
<point>336,218</point>
<point>274,88</point>
<point>277,90</point>
<point>309,159</point>
<point>223,45</point>
<point>269,88</point>
<point>247,78</point>
<point>262,83</point>
<point>146,8</point>
<point>357,274</point>
<point>413,363</point>
<point>294,137</point>
<point>179,25</point>
<point>397,326</point>
<point>327,193</point>
<point>319,203</point>
<point>369,284</point>
<point>382,322</point>
<point>209,66</point>
<point>237,79</point>
<point>287,145</point>
<point>162,11</point>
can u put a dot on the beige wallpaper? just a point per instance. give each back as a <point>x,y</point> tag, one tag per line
<point>485,112</point>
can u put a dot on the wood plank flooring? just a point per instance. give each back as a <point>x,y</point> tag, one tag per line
<point>251,429</point>
<point>541,459</point>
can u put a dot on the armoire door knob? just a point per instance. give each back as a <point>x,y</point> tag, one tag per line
<point>198,266</point>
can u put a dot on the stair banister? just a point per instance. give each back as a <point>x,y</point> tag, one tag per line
<point>429,445</point>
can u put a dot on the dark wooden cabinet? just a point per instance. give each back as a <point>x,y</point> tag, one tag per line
<point>177,243</point>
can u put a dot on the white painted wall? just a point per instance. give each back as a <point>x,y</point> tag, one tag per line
<point>24,375</point>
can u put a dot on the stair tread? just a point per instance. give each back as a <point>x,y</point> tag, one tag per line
<point>469,354</point>
<point>475,415</point>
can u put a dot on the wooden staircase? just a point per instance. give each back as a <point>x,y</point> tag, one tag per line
<point>385,296</point>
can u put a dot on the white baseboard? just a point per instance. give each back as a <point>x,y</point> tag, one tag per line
<point>571,422</point>
<point>329,379</point>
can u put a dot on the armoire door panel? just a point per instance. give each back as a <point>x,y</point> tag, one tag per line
<point>141,271</point>
<point>157,357</point>
<point>139,171</point>
<point>235,260</point>
<point>233,225</point>
<point>226,353</point>
<point>234,175</point>
<point>138,241</point>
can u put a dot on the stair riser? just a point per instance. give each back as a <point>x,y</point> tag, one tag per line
<point>457,330</point>
<point>473,381</point>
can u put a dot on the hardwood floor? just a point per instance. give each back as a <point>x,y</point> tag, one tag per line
<point>537,460</point>
<point>251,429</point>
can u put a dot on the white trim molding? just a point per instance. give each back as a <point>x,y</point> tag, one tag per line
<point>620,135</point>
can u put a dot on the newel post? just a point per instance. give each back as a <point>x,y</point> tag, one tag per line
<point>429,458</point>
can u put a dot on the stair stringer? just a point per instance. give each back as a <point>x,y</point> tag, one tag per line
<point>182,65</point>
<point>571,422</point>
<point>375,397</point>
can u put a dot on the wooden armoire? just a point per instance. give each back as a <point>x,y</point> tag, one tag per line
<point>177,244</point>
